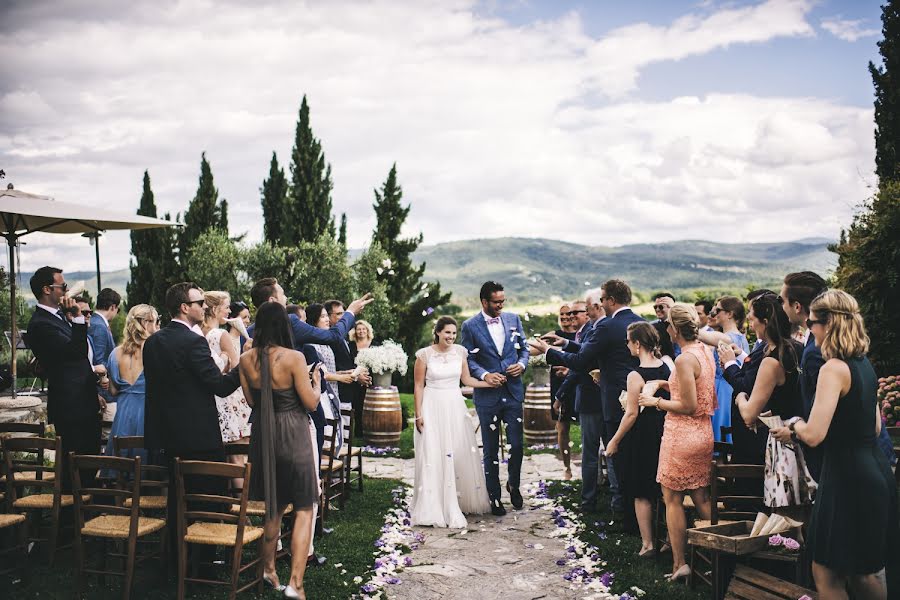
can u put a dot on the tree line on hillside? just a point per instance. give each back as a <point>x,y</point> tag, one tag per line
<point>301,247</point>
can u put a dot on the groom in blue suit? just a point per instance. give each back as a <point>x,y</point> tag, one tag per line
<point>498,354</point>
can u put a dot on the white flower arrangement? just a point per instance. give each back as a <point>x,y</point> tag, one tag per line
<point>386,358</point>
<point>538,362</point>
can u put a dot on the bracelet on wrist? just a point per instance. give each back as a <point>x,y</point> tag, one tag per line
<point>657,403</point>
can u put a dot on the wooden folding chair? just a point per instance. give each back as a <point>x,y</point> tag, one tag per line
<point>201,524</point>
<point>154,479</point>
<point>727,504</point>
<point>257,508</point>
<point>348,453</point>
<point>17,550</point>
<point>113,521</point>
<point>331,472</point>
<point>45,493</point>
<point>11,430</point>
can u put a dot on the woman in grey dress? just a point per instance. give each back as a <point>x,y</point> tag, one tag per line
<point>278,384</point>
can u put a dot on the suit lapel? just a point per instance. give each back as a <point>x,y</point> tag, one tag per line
<point>481,327</point>
<point>507,334</point>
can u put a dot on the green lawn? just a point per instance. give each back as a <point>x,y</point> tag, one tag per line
<point>619,549</point>
<point>351,544</point>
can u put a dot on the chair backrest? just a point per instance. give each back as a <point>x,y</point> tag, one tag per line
<point>38,429</point>
<point>31,467</point>
<point>127,486</point>
<point>739,488</point>
<point>209,502</point>
<point>329,446</point>
<point>722,451</point>
<point>154,478</point>
<point>348,436</point>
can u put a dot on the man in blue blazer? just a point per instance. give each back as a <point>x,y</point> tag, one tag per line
<point>101,337</point>
<point>606,349</point>
<point>498,354</point>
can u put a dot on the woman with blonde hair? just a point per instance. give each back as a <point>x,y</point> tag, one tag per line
<point>854,526</point>
<point>126,376</point>
<point>234,412</point>
<point>687,444</point>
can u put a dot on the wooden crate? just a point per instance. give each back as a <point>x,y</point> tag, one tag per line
<point>733,538</point>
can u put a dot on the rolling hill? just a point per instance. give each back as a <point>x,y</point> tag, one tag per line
<point>537,270</point>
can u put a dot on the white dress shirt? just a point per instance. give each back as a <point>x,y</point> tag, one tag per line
<point>496,331</point>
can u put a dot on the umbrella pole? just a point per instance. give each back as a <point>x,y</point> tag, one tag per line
<point>97,254</point>
<point>11,240</point>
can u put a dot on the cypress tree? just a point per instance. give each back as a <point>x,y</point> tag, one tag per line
<point>410,298</point>
<point>152,264</point>
<point>204,212</point>
<point>869,252</point>
<point>274,197</point>
<point>307,213</point>
<point>342,233</point>
<point>886,79</point>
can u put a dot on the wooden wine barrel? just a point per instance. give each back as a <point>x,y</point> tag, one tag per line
<point>537,419</point>
<point>382,417</point>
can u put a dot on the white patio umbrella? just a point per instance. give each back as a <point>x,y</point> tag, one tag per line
<point>22,213</point>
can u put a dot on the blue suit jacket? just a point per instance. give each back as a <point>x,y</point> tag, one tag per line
<point>474,334</point>
<point>304,333</point>
<point>101,340</point>
<point>605,349</point>
<point>588,396</point>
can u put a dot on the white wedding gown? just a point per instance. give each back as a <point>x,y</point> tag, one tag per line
<point>449,474</point>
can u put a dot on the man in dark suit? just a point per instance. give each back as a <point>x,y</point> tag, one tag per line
<point>797,293</point>
<point>57,334</point>
<point>605,348</point>
<point>181,419</point>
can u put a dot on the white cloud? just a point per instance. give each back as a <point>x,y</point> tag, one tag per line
<point>495,128</point>
<point>848,30</point>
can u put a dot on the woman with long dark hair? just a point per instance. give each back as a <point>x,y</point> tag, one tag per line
<point>776,390</point>
<point>640,432</point>
<point>277,381</point>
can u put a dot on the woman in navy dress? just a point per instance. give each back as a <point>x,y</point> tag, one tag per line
<point>854,528</point>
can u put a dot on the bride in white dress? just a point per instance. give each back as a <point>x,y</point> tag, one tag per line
<point>449,474</point>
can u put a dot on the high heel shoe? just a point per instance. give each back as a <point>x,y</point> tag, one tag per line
<point>271,584</point>
<point>648,553</point>
<point>290,593</point>
<point>683,572</point>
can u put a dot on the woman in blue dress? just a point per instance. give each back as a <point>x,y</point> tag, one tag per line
<point>126,376</point>
<point>728,312</point>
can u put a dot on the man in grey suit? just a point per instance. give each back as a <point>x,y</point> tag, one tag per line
<point>498,354</point>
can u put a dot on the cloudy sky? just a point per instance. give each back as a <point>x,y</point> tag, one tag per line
<point>599,122</point>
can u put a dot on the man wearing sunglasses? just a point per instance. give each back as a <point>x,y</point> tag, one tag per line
<point>57,334</point>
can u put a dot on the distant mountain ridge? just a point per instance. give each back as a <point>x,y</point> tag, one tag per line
<point>535,269</point>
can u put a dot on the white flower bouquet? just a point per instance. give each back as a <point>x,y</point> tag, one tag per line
<point>386,358</point>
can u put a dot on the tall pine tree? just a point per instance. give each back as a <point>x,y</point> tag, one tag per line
<point>886,79</point>
<point>307,213</point>
<point>274,197</point>
<point>869,252</point>
<point>153,267</point>
<point>204,213</point>
<point>342,233</point>
<point>413,301</point>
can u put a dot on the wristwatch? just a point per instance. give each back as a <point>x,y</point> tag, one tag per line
<point>791,424</point>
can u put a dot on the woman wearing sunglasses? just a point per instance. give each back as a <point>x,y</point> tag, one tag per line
<point>853,531</point>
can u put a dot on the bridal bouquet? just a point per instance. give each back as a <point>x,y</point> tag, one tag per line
<point>386,358</point>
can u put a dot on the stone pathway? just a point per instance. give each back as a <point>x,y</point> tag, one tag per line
<point>511,557</point>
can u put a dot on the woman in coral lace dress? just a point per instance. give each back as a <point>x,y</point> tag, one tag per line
<point>687,443</point>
